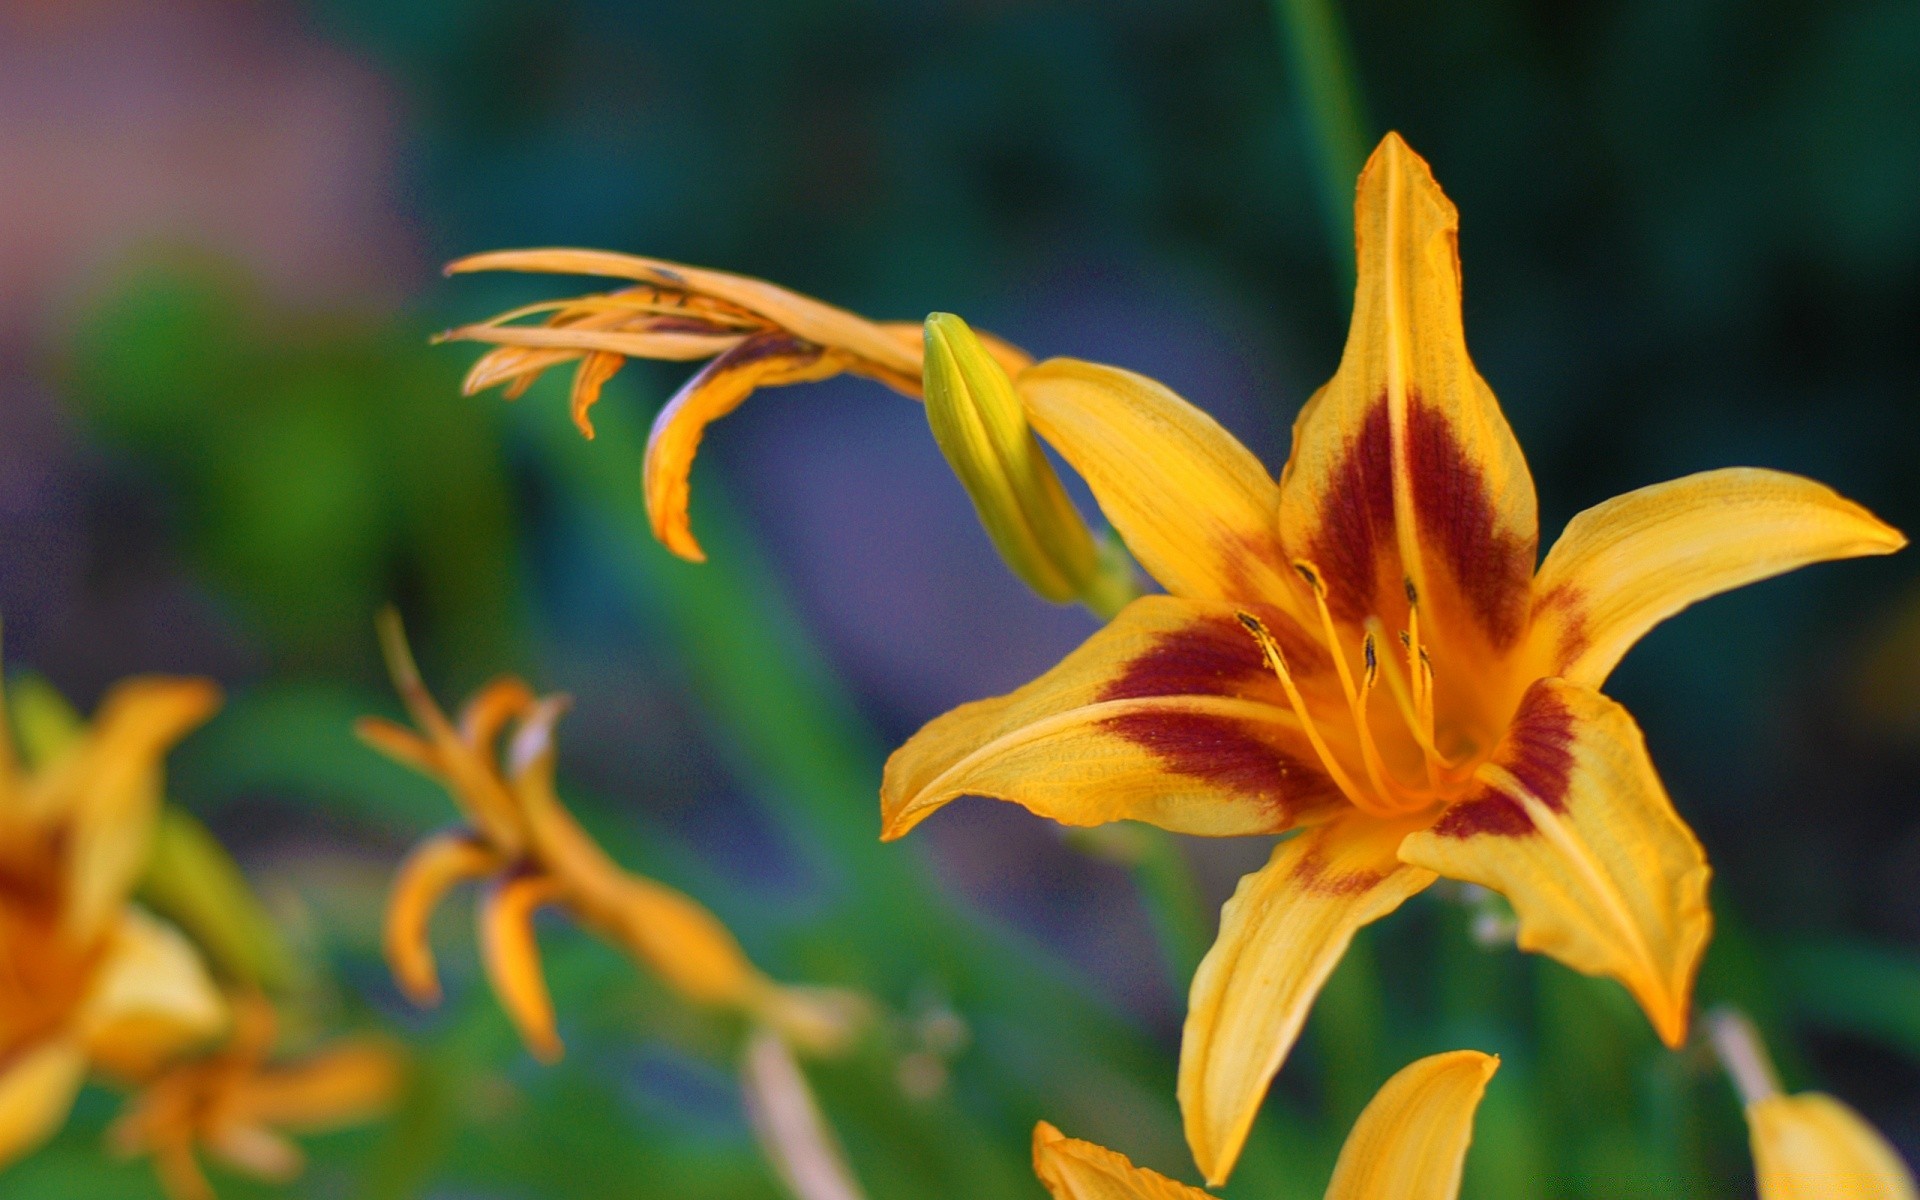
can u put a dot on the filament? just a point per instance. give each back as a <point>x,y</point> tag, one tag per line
<point>1276,662</point>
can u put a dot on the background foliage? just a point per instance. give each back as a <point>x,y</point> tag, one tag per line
<point>1689,238</point>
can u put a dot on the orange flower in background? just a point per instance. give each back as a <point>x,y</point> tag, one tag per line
<point>88,980</point>
<point>1362,649</point>
<point>1409,1143</point>
<point>239,1105</point>
<point>532,854</point>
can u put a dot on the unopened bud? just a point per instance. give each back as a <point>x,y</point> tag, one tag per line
<point>981,426</point>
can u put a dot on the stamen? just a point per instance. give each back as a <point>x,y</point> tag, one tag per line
<point>1377,773</point>
<point>1402,691</point>
<point>1270,649</point>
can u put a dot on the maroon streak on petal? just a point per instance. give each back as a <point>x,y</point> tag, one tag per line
<point>1563,602</point>
<point>1484,812</point>
<point>1356,517</point>
<point>1492,569</point>
<point>1213,656</point>
<point>1312,874</point>
<point>1538,752</point>
<point>1227,753</point>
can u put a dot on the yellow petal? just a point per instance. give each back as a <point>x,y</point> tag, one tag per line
<point>1167,715</point>
<point>1281,935</point>
<point>110,785</point>
<point>1410,1143</point>
<point>1812,1147</point>
<point>981,427</point>
<point>1571,824</point>
<point>1075,1170</point>
<point>764,360</point>
<point>257,1151</point>
<point>430,871</point>
<point>347,1082</point>
<point>512,959</point>
<point>1624,566</point>
<point>1403,467</point>
<point>1193,504</point>
<point>151,998</point>
<point>37,1087</point>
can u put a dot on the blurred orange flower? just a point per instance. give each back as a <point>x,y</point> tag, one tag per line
<point>86,978</point>
<point>1409,1143</point>
<point>533,854</point>
<point>239,1105</point>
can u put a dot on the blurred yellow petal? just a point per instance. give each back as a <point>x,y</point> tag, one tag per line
<point>37,1087</point>
<point>982,428</point>
<point>1193,504</point>
<point>1281,935</point>
<point>1624,566</point>
<point>1075,1170</point>
<point>764,360</point>
<point>346,1082</point>
<point>1167,715</point>
<point>1571,824</point>
<point>1813,1147</point>
<point>1403,466</point>
<point>151,998</point>
<point>512,959</point>
<point>434,867</point>
<point>110,783</point>
<point>257,1151</point>
<point>1410,1142</point>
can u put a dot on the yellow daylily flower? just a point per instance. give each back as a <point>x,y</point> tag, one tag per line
<point>533,854</point>
<point>1806,1146</point>
<point>1362,648</point>
<point>87,980</point>
<point>239,1104</point>
<point>1410,1143</point>
<point>756,333</point>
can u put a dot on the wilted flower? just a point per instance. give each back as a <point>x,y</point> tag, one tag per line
<point>88,980</point>
<point>239,1104</point>
<point>1409,1143</point>
<point>533,855</point>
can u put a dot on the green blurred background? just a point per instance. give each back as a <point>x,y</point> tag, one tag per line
<point>1691,239</point>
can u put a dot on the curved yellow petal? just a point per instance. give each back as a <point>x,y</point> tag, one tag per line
<point>1281,935</point>
<point>344,1083</point>
<point>37,1087</point>
<point>434,868</point>
<point>1571,824</point>
<point>1410,1142</point>
<point>764,360</point>
<point>1813,1147</point>
<point>1624,566</point>
<point>257,1151</point>
<point>110,782</point>
<point>151,998</point>
<point>1075,1170</point>
<point>512,959</point>
<point>1167,715</point>
<point>1193,504</point>
<point>1403,466</point>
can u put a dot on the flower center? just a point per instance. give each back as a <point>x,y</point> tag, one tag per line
<point>1378,791</point>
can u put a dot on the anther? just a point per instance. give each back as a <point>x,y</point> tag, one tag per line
<point>1310,575</point>
<point>1413,596</point>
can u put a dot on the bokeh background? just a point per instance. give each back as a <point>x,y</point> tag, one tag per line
<point>1690,240</point>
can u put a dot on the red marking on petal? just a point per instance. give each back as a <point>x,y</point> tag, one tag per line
<point>1484,812</point>
<point>1492,569</point>
<point>1539,746</point>
<point>1356,517</point>
<point>1312,874</point>
<point>1564,602</point>
<point>1228,754</point>
<point>1213,656</point>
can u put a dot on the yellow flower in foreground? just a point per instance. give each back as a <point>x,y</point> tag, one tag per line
<point>1807,1146</point>
<point>1362,648</point>
<point>1410,1143</point>
<point>86,979</point>
<point>521,840</point>
<point>239,1105</point>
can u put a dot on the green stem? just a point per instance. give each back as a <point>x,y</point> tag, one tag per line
<point>1315,40</point>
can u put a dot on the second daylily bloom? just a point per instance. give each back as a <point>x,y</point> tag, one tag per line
<point>533,855</point>
<point>1410,1143</point>
<point>239,1104</point>
<point>87,980</point>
